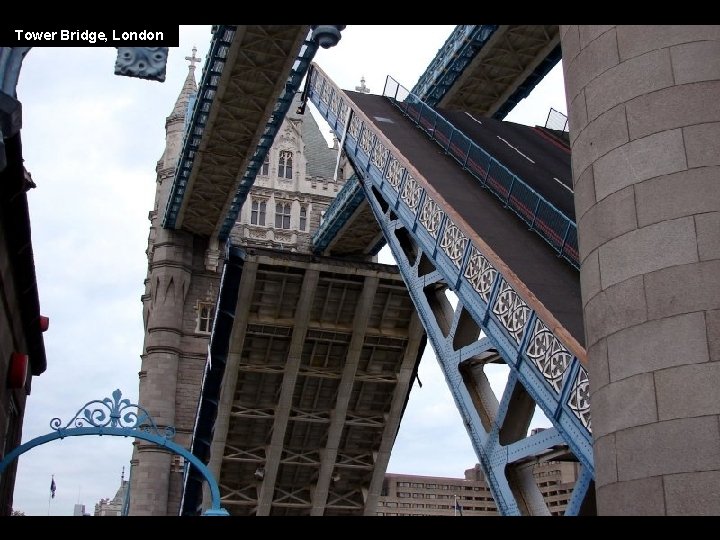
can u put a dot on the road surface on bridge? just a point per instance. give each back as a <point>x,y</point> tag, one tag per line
<point>551,279</point>
<point>535,158</point>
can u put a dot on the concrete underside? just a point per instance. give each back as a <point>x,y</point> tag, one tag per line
<point>321,357</point>
<point>500,67</point>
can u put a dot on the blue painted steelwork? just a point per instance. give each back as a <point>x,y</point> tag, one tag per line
<point>456,54</point>
<point>213,376</point>
<point>337,214</point>
<point>217,55</point>
<point>451,60</point>
<point>118,417</point>
<point>527,86</point>
<point>142,62</point>
<point>222,38</point>
<point>543,217</point>
<point>582,485</point>
<point>300,67</point>
<point>548,372</point>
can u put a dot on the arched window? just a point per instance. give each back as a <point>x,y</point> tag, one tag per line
<point>206,314</point>
<point>265,170</point>
<point>257,215</point>
<point>282,215</point>
<point>285,164</point>
<point>303,218</point>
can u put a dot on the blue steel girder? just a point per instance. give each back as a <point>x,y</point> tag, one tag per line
<point>222,153</point>
<point>487,69</point>
<point>217,56</point>
<point>539,358</point>
<point>343,206</point>
<point>451,60</point>
<point>495,458</point>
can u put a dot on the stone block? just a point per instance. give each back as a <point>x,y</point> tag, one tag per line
<point>605,133</point>
<point>702,144</point>
<point>671,196</point>
<point>599,56</point>
<point>673,446</point>
<point>624,404</point>
<point>643,497</point>
<point>693,494</point>
<point>611,217</point>
<point>658,344</point>
<point>648,249</point>
<point>688,391</point>
<point>634,77</point>
<point>634,40</point>
<point>655,155</point>
<point>615,308</point>
<point>590,277</point>
<point>683,289</point>
<point>604,457</point>
<point>674,107</point>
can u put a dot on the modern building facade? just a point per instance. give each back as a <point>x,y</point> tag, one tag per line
<point>413,495</point>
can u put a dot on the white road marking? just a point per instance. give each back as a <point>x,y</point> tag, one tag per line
<point>471,116</point>
<point>518,151</point>
<point>563,185</point>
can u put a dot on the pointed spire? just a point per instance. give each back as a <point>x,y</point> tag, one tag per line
<point>189,89</point>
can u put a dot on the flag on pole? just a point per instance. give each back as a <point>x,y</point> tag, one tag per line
<point>52,487</point>
<point>458,507</point>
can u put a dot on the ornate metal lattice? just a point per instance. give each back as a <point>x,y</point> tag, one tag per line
<point>548,354</point>
<point>480,273</point>
<point>431,216</point>
<point>512,311</point>
<point>394,173</point>
<point>411,193</point>
<point>453,243</point>
<point>115,413</point>
<point>579,400</point>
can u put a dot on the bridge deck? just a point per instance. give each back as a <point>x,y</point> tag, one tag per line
<point>541,162</point>
<point>553,281</point>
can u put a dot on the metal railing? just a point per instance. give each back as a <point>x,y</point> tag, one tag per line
<point>541,215</point>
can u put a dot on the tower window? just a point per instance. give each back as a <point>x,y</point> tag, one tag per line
<point>206,314</point>
<point>285,164</point>
<point>265,166</point>
<point>257,214</point>
<point>303,218</point>
<point>282,215</point>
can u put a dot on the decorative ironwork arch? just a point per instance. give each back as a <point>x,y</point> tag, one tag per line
<point>120,418</point>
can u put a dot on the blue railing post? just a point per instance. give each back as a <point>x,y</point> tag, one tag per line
<point>567,231</point>
<point>512,184</point>
<point>537,207</point>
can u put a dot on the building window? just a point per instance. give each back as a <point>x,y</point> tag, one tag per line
<point>282,215</point>
<point>257,215</point>
<point>285,164</point>
<point>265,166</point>
<point>403,484</point>
<point>206,313</point>
<point>303,218</point>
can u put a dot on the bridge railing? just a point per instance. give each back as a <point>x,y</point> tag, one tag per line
<point>541,215</point>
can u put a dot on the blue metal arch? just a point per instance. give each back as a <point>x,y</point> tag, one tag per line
<point>110,422</point>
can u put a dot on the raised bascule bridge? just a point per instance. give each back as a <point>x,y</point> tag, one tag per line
<point>313,352</point>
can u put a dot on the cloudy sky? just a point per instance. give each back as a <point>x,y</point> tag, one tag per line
<point>91,141</point>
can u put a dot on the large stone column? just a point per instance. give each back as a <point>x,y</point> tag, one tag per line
<point>644,108</point>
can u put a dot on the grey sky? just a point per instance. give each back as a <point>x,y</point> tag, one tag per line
<point>91,141</point>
